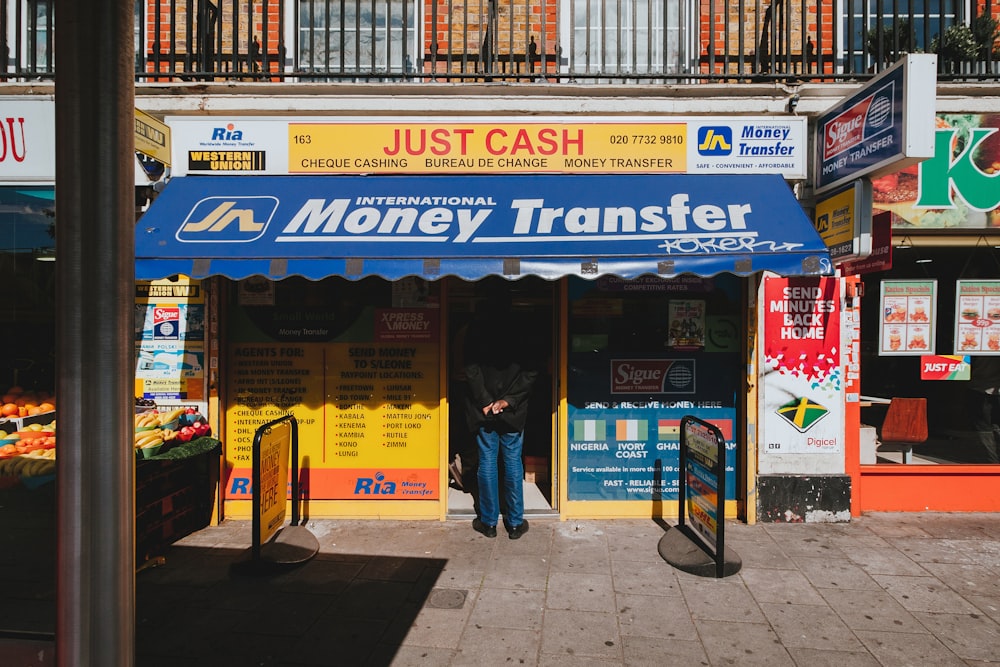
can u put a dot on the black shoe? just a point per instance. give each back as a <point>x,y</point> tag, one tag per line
<point>480,527</point>
<point>516,532</point>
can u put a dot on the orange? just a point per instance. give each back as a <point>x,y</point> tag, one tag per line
<point>34,410</point>
<point>15,390</point>
<point>22,411</point>
<point>9,410</point>
<point>46,407</point>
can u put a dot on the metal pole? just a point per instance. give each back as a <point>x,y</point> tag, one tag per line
<point>95,251</point>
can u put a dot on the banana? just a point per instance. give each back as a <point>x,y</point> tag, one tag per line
<point>151,443</point>
<point>147,419</point>
<point>30,469</point>
<point>173,415</point>
<point>144,436</point>
<point>19,464</point>
<point>35,468</point>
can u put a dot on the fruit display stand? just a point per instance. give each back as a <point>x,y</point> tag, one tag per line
<point>175,495</point>
<point>11,424</point>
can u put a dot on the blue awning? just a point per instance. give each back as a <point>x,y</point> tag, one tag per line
<point>473,226</point>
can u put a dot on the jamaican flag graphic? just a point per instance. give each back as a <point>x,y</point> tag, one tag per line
<point>802,413</point>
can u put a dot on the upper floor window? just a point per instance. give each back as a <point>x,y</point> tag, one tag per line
<point>633,37</point>
<point>39,35</point>
<point>884,30</point>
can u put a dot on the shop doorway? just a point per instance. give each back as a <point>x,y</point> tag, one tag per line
<point>533,305</point>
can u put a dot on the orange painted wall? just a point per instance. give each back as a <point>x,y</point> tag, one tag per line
<point>924,488</point>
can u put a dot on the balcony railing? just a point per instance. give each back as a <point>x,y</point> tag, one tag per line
<point>528,41</point>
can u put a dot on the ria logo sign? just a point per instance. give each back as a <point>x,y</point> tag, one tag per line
<point>228,220</point>
<point>715,140</point>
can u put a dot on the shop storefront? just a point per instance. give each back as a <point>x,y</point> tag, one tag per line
<point>929,326</point>
<point>343,298</point>
<point>27,245</point>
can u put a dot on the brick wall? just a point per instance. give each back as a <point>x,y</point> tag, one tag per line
<point>786,32</point>
<point>455,27</point>
<point>174,22</point>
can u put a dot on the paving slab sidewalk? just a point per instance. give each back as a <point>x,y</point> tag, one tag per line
<point>884,589</point>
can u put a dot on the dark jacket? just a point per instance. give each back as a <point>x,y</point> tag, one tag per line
<point>498,365</point>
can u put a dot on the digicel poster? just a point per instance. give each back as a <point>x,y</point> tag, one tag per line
<point>802,397</point>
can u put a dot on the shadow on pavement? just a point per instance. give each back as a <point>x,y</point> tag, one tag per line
<point>336,609</point>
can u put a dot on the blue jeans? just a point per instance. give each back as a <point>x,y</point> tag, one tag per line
<point>509,447</point>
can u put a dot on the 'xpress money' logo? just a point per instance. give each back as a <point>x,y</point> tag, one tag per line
<point>715,140</point>
<point>228,220</point>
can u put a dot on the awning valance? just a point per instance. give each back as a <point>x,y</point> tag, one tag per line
<point>473,226</point>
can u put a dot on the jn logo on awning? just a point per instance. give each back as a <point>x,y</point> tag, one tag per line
<point>228,219</point>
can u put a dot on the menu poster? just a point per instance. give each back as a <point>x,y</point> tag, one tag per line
<point>977,317</point>
<point>909,317</point>
<point>687,325</point>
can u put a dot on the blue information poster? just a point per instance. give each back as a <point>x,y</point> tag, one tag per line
<point>632,380</point>
<point>622,452</point>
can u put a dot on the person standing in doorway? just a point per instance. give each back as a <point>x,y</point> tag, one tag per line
<point>499,372</point>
